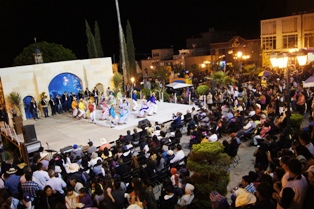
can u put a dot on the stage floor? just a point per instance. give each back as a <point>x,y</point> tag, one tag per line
<point>63,130</point>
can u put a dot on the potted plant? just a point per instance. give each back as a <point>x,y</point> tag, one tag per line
<point>14,100</point>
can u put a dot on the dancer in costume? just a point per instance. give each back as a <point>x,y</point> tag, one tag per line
<point>92,111</point>
<point>144,108</point>
<point>112,116</point>
<point>124,112</point>
<point>119,96</point>
<point>105,110</point>
<point>153,104</point>
<point>74,107</point>
<point>82,109</point>
<point>111,99</point>
<point>134,100</point>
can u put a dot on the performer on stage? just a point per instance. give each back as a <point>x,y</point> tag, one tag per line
<point>111,99</point>
<point>92,111</point>
<point>105,110</point>
<point>134,100</point>
<point>144,108</point>
<point>124,112</point>
<point>112,116</point>
<point>153,104</point>
<point>74,107</point>
<point>119,96</point>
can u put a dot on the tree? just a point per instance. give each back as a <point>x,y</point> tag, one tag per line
<point>99,49</point>
<point>161,73</point>
<point>91,46</point>
<point>208,164</point>
<point>202,90</point>
<point>130,49</point>
<point>51,53</point>
<point>117,80</point>
<point>127,65</point>
<point>221,78</point>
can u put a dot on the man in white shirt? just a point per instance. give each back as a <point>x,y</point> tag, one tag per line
<point>304,139</point>
<point>56,183</point>
<point>179,155</point>
<point>41,176</point>
<point>247,128</point>
<point>212,137</point>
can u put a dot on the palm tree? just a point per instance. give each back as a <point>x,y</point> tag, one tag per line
<point>221,78</point>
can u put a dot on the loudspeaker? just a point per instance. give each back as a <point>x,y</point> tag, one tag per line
<point>29,133</point>
<point>144,122</point>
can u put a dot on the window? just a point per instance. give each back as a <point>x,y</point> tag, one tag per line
<point>269,28</point>
<point>309,40</point>
<point>269,43</point>
<point>156,54</point>
<point>289,25</point>
<point>308,23</point>
<point>290,41</point>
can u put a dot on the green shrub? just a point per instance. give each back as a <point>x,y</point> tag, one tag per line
<point>295,122</point>
<point>208,164</point>
<point>202,90</point>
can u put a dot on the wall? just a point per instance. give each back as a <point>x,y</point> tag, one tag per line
<point>32,80</point>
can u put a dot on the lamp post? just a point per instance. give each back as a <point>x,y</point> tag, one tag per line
<point>281,61</point>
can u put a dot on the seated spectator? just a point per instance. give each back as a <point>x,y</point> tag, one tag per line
<point>179,154</point>
<point>251,125</point>
<point>75,184</point>
<point>247,184</point>
<point>127,138</point>
<point>55,183</point>
<point>170,199</point>
<point>76,153</point>
<point>91,148</point>
<point>212,137</point>
<point>122,168</point>
<point>262,134</point>
<point>263,194</point>
<point>176,121</point>
<point>188,196</point>
<point>94,159</point>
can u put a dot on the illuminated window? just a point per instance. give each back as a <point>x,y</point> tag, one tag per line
<point>309,40</point>
<point>269,28</point>
<point>290,41</point>
<point>269,43</point>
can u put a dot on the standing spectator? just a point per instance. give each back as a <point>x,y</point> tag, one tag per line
<point>51,198</point>
<point>59,104</point>
<point>292,195</point>
<point>85,198</point>
<point>34,109</point>
<point>30,187</point>
<point>309,200</point>
<point>96,94</point>
<point>66,101</point>
<point>44,105</point>
<point>12,181</point>
<point>301,103</point>
<point>304,139</point>
<point>41,176</point>
<point>55,183</point>
<point>53,106</point>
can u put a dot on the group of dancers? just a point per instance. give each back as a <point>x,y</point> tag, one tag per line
<point>148,107</point>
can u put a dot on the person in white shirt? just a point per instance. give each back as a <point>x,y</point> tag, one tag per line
<point>41,176</point>
<point>179,155</point>
<point>56,183</point>
<point>304,139</point>
<point>94,159</point>
<point>212,137</point>
<point>247,128</point>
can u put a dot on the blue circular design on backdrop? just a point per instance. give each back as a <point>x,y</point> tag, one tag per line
<point>65,82</point>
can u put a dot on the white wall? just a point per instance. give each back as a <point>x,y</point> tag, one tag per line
<point>32,80</point>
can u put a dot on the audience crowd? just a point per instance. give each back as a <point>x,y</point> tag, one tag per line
<point>128,172</point>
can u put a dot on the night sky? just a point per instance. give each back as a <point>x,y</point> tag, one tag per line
<point>155,24</point>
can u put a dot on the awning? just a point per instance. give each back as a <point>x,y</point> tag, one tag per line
<point>308,82</point>
<point>176,85</point>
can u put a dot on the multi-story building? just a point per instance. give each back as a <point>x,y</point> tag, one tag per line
<point>286,34</point>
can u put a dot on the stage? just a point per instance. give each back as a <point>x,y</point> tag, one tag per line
<point>63,130</point>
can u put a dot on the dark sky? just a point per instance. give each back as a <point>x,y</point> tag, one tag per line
<point>155,24</point>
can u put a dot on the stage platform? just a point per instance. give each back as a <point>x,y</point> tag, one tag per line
<point>63,130</point>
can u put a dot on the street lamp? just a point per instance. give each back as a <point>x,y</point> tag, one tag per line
<point>281,61</point>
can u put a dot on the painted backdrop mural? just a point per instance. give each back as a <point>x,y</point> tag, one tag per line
<point>65,82</point>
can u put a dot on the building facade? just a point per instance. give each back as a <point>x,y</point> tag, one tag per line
<point>287,34</point>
